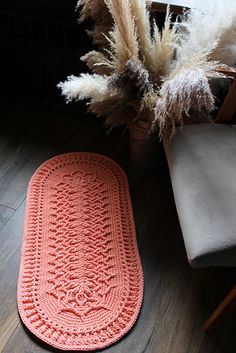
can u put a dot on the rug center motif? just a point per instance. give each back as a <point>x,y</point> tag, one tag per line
<point>81,266</point>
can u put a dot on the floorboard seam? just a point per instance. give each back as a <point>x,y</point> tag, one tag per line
<point>7,221</point>
<point>150,337</point>
<point>11,215</point>
<point>193,332</point>
<point>11,208</point>
<point>153,330</point>
<point>4,348</point>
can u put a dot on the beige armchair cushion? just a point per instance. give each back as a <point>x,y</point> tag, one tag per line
<point>202,164</point>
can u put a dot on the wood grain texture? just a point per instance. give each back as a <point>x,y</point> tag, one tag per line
<point>10,243</point>
<point>177,299</point>
<point>5,215</point>
<point>34,139</point>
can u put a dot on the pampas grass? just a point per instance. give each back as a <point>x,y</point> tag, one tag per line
<point>164,45</point>
<point>97,62</point>
<point>134,81</point>
<point>156,50</point>
<point>210,30</point>
<point>177,99</point>
<point>225,51</point>
<point>142,22</point>
<point>123,38</point>
<point>128,67</point>
<point>86,86</point>
<point>99,13</point>
<point>95,9</point>
<point>117,110</point>
<point>187,88</point>
<point>142,72</point>
<point>200,49</point>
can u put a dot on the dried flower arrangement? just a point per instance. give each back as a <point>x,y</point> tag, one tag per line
<point>140,73</point>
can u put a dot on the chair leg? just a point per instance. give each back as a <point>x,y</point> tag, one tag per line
<point>226,305</point>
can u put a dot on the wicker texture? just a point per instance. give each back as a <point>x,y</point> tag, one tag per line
<point>81,283</point>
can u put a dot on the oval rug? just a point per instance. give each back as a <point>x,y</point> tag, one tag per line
<point>81,283</point>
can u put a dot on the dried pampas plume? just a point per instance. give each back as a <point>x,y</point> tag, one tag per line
<point>141,15</point>
<point>133,81</point>
<point>98,12</point>
<point>157,50</point>
<point>97,62</point>
<point>225,50</point>
<point>187,90</point>
<point>86,86</point>
<point>95,9</point>
<point>117,111</point>
<point>123,38</point>
<point>212,30</point>
<point>164,46</point>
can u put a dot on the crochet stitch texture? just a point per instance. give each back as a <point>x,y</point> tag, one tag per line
<point>81,283</point>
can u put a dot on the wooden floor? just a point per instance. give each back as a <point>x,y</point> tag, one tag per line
<point>177,298</point>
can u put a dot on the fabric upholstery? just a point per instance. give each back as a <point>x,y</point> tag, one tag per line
<point>202,164</point>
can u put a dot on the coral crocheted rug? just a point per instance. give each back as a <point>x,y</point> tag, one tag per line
<point>81,283</point>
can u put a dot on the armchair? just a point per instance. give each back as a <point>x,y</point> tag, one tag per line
<point>202,165</point>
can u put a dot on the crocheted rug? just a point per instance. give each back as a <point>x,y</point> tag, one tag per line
<point>81,283</point>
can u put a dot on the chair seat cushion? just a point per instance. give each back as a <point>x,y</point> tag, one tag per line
<point>202,164</point>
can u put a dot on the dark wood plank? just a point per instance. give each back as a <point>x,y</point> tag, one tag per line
<point>50,134</point>
<point>23,341</point>
<point>5,215</point>
<point>10,244</point>
<point>16,124</point>
<point>213,286</point>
